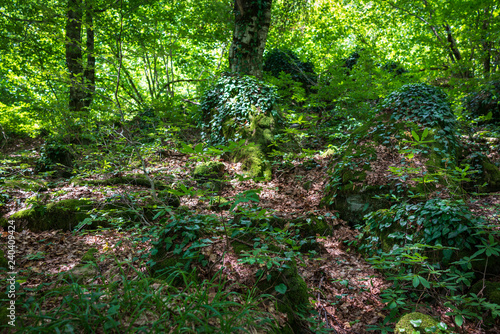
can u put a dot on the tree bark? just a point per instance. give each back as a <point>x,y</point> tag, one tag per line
<point>252,21</point>
<point>89,73</point>
<point>74,54</point>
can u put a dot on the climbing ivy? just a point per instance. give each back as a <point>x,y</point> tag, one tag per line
<point>226,108</point>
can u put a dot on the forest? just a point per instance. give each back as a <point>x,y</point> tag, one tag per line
<point>250,166</point>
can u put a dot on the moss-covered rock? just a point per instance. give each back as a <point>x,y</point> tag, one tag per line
<point>132,179</point>
<point>65,215</point>
<point>26,184</point>
<point>81,273</point>
<point>89,257</point>
<point>417,321</point>
<point>211,170</point>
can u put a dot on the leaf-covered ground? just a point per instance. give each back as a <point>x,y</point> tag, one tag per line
<point>345,290</point>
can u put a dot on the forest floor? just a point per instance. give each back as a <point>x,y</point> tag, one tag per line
<point>345,289</point>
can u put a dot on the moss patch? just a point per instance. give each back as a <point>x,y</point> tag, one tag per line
<point>26,184</point>
<point>64,215</point>
<point>417,321</point>
<point>89,257</point>
<point>133,179</point>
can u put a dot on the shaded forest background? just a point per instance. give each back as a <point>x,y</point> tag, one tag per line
<point>259,166</point>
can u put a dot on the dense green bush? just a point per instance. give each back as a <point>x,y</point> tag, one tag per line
<point>484,101</point>
<point>277,61</point>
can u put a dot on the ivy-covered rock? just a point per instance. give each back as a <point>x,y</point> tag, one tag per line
<point>410,148</point>
<point>64,215</point>
<point>484,101</point>
<point>417,322</point>
<point>287,61</point>
<point>242,108</point>
<point>435,222</point>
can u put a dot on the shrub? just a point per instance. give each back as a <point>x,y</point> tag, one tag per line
<point>277,61</point>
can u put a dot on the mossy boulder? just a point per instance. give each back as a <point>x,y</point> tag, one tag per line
<point>81,273</point>
<point>417,322</point>
<point>140,180</point>
<point>26,184</point>
<point>242,108</point>
<point>410,148</point>
<point>484,101</point>
<point>89,257</point>
<point>64,215</point>
<point>211,170</point>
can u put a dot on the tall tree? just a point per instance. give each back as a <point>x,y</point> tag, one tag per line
<point>252,21</point>
<point>82,78</point>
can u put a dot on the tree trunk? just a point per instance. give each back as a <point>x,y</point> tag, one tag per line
<point>252,21</point>
<point>74,54</point>
<point>89,74</point>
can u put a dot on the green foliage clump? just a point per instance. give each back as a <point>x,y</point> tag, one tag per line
<point>55,156</point>
<point>178,245</point>
<point>228,107</point>
<point>425,105</point>
<point>433,222</point>
<point>484,101</point>
<point>287,61</point>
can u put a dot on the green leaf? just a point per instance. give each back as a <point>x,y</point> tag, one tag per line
<point>416,323</point>
<point>424,282</point>
<point>416,281</point>
<point>426,132</point>
<point>414,134</point>
<point>281,288</point>
<point>459,320</point>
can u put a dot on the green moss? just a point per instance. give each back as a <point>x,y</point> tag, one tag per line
<point>209,170</point>
<point>64,215</point>
<point>133,179</point>
<point>4,222</point>
<point>254,161</point>
<point>405,325</point>
<point>26,184</point>
<point>89,256</point>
